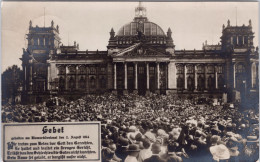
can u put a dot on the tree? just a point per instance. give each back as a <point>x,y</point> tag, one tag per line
<point>11,82</point>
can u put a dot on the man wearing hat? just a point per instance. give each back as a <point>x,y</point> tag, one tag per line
<point>133,151</point>
<point>156,149</point>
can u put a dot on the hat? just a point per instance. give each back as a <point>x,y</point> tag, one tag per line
<point>133,148</point>
<point>156,147</point>
<point>219,152</point>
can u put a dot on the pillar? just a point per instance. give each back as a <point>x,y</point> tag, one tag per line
<point>115,76</point>
<point>205,73</point>
<point>158,75</point>
<point>196,80</point>
<point>125,76</point>
<point>172,75</point>
<point>49,78</point>
<point>136,80</point>
<point>216,77</point>
<point>147,76</point>
<point>185,77</point>
<point>253,75</point>
<point>66,72</point>
<point>31,73</point>
<point>77,78</point>
<point>234,75</point>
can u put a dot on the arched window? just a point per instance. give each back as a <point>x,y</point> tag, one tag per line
<point>190,69</point>
<point>200,69</point>
<point>71,84</point>
<point>61,84</point>
<point>92,82</point>
<point>92,70</point>
<point>81,70</point>
<point>211,83</point>
<point>201,83</point>
<point>82,83</point>
<point>210,69</point>
<point>220,82</point>
<point>103,82</point>
<point>180,69</point>
<point>62,70</point>
<point>190,83</point>
<point>180,83</point>
<point>240,68</point>
<point>72,70</point>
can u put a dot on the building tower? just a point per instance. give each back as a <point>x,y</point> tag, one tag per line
<point>241,60</point>
<point>42,42</point>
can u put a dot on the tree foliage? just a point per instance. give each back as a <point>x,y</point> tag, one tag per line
<point>11,82</point>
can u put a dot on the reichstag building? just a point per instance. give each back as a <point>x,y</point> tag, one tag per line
<point>140,58</point>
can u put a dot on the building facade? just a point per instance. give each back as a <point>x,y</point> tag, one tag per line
<point>140,58</point>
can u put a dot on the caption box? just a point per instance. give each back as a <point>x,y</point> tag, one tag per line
<point>52,142</point>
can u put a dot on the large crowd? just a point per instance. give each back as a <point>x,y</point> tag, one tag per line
<point>155,127</point>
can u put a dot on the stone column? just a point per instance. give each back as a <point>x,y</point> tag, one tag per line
<point>125,76</point>
<point>253,75</point>
<point>205,73</point>
<point>49,77</point>
<point>234,75</point>
<point>195,76</point>
<point>216,77</point>
<point>115,86</point>
<point>147,76</point>
<point>185,77</point>
<point>158,75</point>
<point>30,78</point>
<point>66,72</point>
<point>77,78</point>
<point>136,79</point>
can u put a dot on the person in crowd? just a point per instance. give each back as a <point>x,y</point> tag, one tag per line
<point>197,131</point>
<point>133,151</point>
<point>156,149</point>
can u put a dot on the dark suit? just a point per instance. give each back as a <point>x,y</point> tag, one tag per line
<point>154,158</point>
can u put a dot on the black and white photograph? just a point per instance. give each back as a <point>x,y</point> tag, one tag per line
<point>130,81</point>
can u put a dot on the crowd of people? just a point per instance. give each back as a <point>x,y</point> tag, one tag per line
<point>155,127</point>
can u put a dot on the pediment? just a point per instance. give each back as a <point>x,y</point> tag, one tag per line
<point>140,50</point>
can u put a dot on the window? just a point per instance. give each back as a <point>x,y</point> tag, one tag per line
<point>152,70</point>
<point>92,82</point>
<point>62,70</point>
<point>240,68</point>
<point>190,69</point>
<point>200,69</point>
<point>190,84</point>
<point>220,69</point>
<point>245,40</point>
<point>130,70</point>
<point>82,83</point>
<point>234,40</point>
<point>103,82</point>
<point>71,84</point>
<point>210,69</point>
<point>180,83</point>
<point>180,69</point>
<point>81,70</point>
<point>103,70</point>
<point>240,40</point>
<point>92,70</point>
<point>72,70</point>
<point>141,70</point>
<point>201,83</point>
<point>61,84</point>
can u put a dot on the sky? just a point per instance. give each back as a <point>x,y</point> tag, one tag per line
<point>89,23</point>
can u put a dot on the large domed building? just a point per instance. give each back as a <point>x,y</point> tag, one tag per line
<point>140,58</point>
